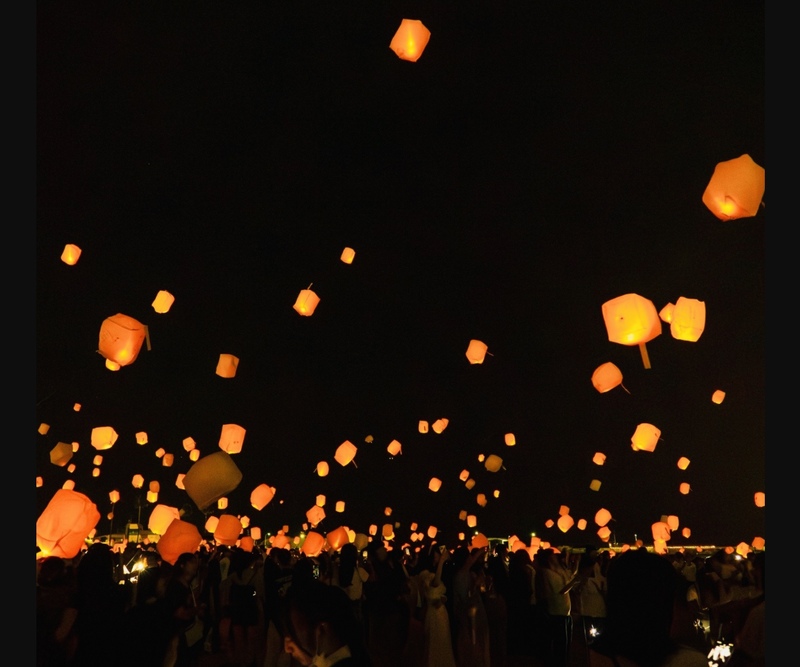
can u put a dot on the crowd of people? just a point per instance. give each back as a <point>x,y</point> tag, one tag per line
<point>430,606</point>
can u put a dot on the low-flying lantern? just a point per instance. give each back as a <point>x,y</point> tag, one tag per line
<point>645,438</point>
<point>673,522</point>
<point>479,541</point>
<point>306,302</point>
<point>661,531</point>
<point>394,448</point>
<point>607,376</point>
<point>255,533</point>
<point>103,437</point>
<point>602,517</point>
<point>345,453</point>
<point>760,499</point>
<point>387,531</point>
<point>565,522</point>
<point>423,426</point>
<point>61,454</point>
<point>231,438</point>
<point>410,40</point>
<point>228,530</point>
<point>510,439</point>
<point>632,320</point>
<point>227,365</point>
<point>211,524</point>
<point>604,533</point>
<point>718,396</point>
<point>686,532</point>
<point>688,319</point>
<point>141,438</point>
<point>66,522</point>
<point>161,517</point>
<point>247,543</point>
<point>121,338</point>
<point>163,302</point>
<point>736,188</point>
<point>70,254</point>
<point>476,351</point>
<point>337,538</point>
<point>435,484</point>
<point>261,496</point>
<point>683,463</point>
<point>599,458</point>
<point>581,525</point>
<point>684,488</point>
<point>348,255</point>
<point>493,463</point>
<point>322,468</point>
<point>212,477</point>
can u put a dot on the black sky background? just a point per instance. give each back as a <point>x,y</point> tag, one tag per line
<point>537,161</point>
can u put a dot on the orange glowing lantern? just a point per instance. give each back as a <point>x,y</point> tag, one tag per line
<point>152,496</point>
<point>97,460</point>
<point>464,475</point>
<point>337,538</point>
<point>345,453</point>
<point>211,477</point>
<point>387,531</point>
<point>604,533</point>
<point>121,339</point>
<point>194,455</point>
<point>340,506</point>
<point>666,312</point>
<point>736,188</point>
<point>95,472</point>
<point>510,439</point>
<point>137,481</point>
<point>683,463</point>
<point>563,510</point>
<point>315,514</point>
<point>71,468</point>
<point>179,481</point>
<point>632,320</point>
<point>189,444</point>
<point>684,488</point>
<point>306,302</point>
<point>673,522</point>
<point>154,486</point>
<point>718,396</point>
<point>760,499</point>
<point>387,511</point>
<point>440,425</point>
<point>103,437</point>
<point>348,254</point>
<point>602,517</point>
<point>373,529</point>
<point>481,499</point>
<point>476,351</point>
<point>479,541</point>
<point>410,40</point>
<point>163,302</point>
<point>261,496</point>
<point>61,454</point>
<point>599,458</point>
<point>607,376</point>
<point>68,485</point>
<point>141,438</point>
<point>71,254</point>
<point>743,548</point>
<point>161,517</point>
<point>320,500</point>
<point>661,531</point>
<point>160,452</point>
<point>313,544</point>
<point>211,524</point>
<point>228,530</point>
<point>231,438</point>
<point>645,438</point>
<point>322,468</point>
<point>247,543</point>
<point>255,533</point>
<point>168,460</point>
<point>113,496</point>
<point>686,532</point>
<point>758,543</point>
<point>688,319</point>
<point>595,485</point>
<point>394,448</point>
<point>227,365</point>
<point>493,463</point>
<point>65,523</point>
<point>565,522</point>
<point>470,483</point>
<point>432,531</point>
<point>549,523</point>
<point>435,484</point>
<point>423,426</point>
<point>582,523</point>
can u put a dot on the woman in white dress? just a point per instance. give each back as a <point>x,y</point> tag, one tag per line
<point>438,642</point>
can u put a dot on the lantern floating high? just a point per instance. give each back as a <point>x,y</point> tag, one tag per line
<point>211,477</point>
<point>161,517</point>
<point>394,448</point>
<point>476,351</point>
<point>688,319</point>
<point>435,484</point>
<point>683,462</point>
<point>632,320</point>
<point>440,425</point>
<point>718,396</point>
<point>345,453</point>
<point>163,302</point>
<point>645,438</point>
<point>666,312</point>
<point>141,438</point>
<point>228,530</point>
<point>410,40</point>
<point>599,458</point>
<point>736,188</point>
<point>607,376</point>
<point>565,522</point>
<point>315,515</point>
<point>348,254</point>
<point>121,338</point>
<point>70,254</point>
<point>322,468</point>
<point>423,426</point>
<point>261,496</point>
<point>581,525</point>
<point>684,488</point>
<point>231,438</point>
<point>103,437</point>
<point>510,439</point>
<point>227,365</point>
<point>602,517</point>
<point>61,454</point>
<point>760,499</point>
<point>493,463</point>
<point>306,302</point>
<point>595,485</point>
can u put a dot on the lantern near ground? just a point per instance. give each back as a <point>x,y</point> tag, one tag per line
<point>61,454</point>
<point>345,453</point>
<point>493,463</point>
<point>718,396</point>
<point>121,338</point>
<point>261,496</point>
<point>103,437</point>
<point>476,351</point>
<point>606,376</point>
<point>645,438</point>
<point>315,515</point>
<point>337,538</point>
<point>163,302</point>
<point>688,319</point>
<point>64,525</point>
<point>210,478</point>
<point>231,438</point>
<point>661,531</point>
<point>161,517</point>
<point>604,533</point>
<point>435,484</point>
<point>760,499</point>
<point>394,448</point>
<point>410,40</point>
<point>565,522</point>
<point>246,543</point>
<point>211,524</point>
<point>227,365</point>
<point>70,254</point>
<point>736,188</point>
<point>306,302</point>
<point>479,541</point>
<point>228,530</point>
<point>581,525</point>
<point>632,320</point>
<point>348,254</point>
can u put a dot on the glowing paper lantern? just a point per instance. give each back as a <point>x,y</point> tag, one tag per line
<point>97,460</point>
<point>167,460</point>
<point>61,454</point>
<point>246,544</point>
<point>227,365</point>
<point>68,485</point>
<point>361,541</point>
<point>582,523</point>
<point>563,510</point>
<point>479,541</point>
<point>71,468</point>
<point>410,40</point>
<point>306,302</point>
<point>337,538</point>
<point>189,444</point>
<point>423,426</point>
<point>348,254</point>
<point>683,463</point>
<point>606,376</point>
<point>645,438</point>
<point>137,481</point>
<point>261,496</point>
<point>160,452</point>
<point>222,503</point>
<point>549,523</point>
<point>684,488</point>
<point>210,478</point>
<point>75,447</point>
<point>387,511</point>
<point>736,188</point>
<point>152,496</point>
<point>255,533</point>
<point>315,514</point>
<point>113,496</point>
<point>121,338</point>
<point>464,475</point>
<point>565,522</point>
<point>394,448</point>
<point>604,533</point>
<point>70,254</point>
<point>103,437</point>
<point>163,302</point>
<point>179,481</point>
<point>481,499</point>
<point>599,458</point>
<point>686,532</point>
<point>758,543</point>
<point>432,531</point>
<point>666,313</point>
<point>476,351</point>
<point>95,472</point>
<point>673,522</point>
<point>345,453</point>
<point>470,483</point>
<point>39,482</point>
<point>688,319</point>
<point>743,548</point>
<point>231,438</point>
<point>194,455</point>
<point>320,500</point>
<point>602,517</point>
<point>161,517</point>
<point>322,468</point>
<point>211,524</point>
<point>760,499</point>
<point>141,438</point>
<point>340,506</point>
<point>510,439</point>
<point>632,320</point>
<point>718,396</point>
<point>435,484</point>
<point>440,425</point>
<point>43,428</point>
<point>661,531</point>
<point>493,463</point>
<point>228,529</point>
<point>65,523</point>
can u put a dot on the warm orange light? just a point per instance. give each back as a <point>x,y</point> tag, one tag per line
<point>683,463</point>
<point>231,438</point>
<point>631,319</point>
<point>103,437</point>
<point>348,254</point>
<point>423,426</point>
<point>599,458</point>
<point>71,254</point>
<point>476,351</point>
<point>565,522</point>
<point>688,319</point>
<point>760,499</point>
<point>606,377</point>
<point>510,439</point>
<point>736,188</point>
<point>345,453</point>
<point>440,425</point>
<point>306,302</point>
<point>435,484</point>
<point>602,517</point>
<point>227,365</point>
<point>394,448</point>
<point>718,396</point>
<point>645,438</point>
<point>410,40</point>
<point>595,485</point>
<point>493,463</point>
<point>163,302</point>
<point>121,338</point>
<point>684,488</point>
<point>261,496</point>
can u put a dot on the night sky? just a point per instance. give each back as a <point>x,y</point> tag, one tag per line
<point>538,160</point>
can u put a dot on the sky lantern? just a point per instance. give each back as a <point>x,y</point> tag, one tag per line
<point>340,506</point>
<point>194,455</point>
<point>71,468</point>
<point>479,541</point>
<point>758,543</point>
<point>121,338</point>
<point>683,463</point>
<point>563,510</point>
<point>322,468</point>
<point>152,496</point>
<point>179,481</point>
<point>61,454</point>
<point>595,485</point>
<point>68,484</point>
<point>549,523</point>
<point>103,437</point>
<point>161,517</point>
<point>410,40</point>
<point>387,511</point>
<point>607,376</point>
<point>394,448</point>
<point>440,425</point>
<point>113,496</point>
<point>599,458</point>
<point>760,499</point>
<point>70,254</point>
<point>582,523</point>
<point>306,302</point>
<point>565,522</point>
<point>163,302</point>
<point>476,351</point>
<point>493,463</point>
<point>246,543</point>
<point>228,530</point>
<point>255,533</point>
<point>387,531</point>
<point>432,531</point>
<point>464,475</point>
<point>686,532</point>
<point>718,396</point>
<point>261,496</point>
<point>39,481</point>
<point>632,320</point>
<point>688,319</point>
<point>661,531</point>
<point>231,438</point>
<point>604,533</point>
<point>743,548</point>
<point>43,428</point>
<point>65,523</point>
<point>423,426</point>
<point>167,460</point>
<point>315,514</point>
<point>666,313</point>
<point>227,365</point>
<point>76,407</point>
<point>348,255</point>
<point>112,365</point>
<point>160,452</point>
<point>210,478</point>
<point>645,438</point>
<point>481,499</point>
<point>496,493</point>
<point>736,188</point>
<point>435,484</point>
<point>320,500</point>
<point>337,538</point>
<point>602,517</point>
<point>345,453</point>
<point>373,529</point>
<point>510,439</point>
<point>189,444</point>
<point>141,438</point>
<point>95,472</point>
<point>470,483</point>
<point>137,481</point>
<point>684,488</point>
<point>673,522</point>
<point>211,524</point>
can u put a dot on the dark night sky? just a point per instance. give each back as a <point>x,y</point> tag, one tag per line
<point>538,160</point>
